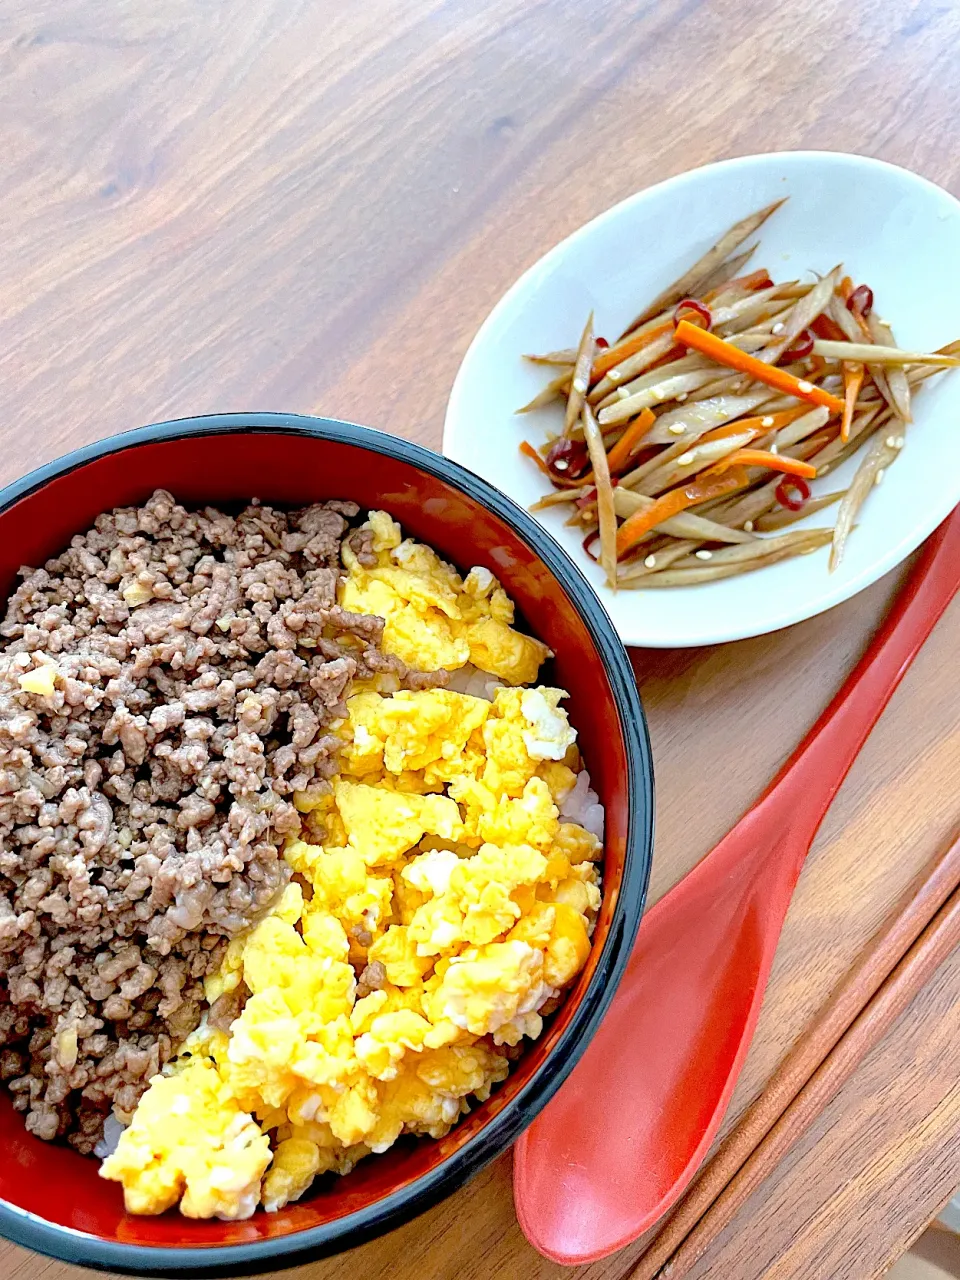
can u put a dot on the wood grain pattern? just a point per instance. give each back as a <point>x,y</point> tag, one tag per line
<point>849,1189</point>
<point>301,205</point>
<point>765,1151</point>
<point>884,979</point>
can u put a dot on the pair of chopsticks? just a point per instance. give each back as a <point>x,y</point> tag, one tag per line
<point>919,934</point>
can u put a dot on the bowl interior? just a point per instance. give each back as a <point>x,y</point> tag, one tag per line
<point>890,229</point>
<point>62,1187</point>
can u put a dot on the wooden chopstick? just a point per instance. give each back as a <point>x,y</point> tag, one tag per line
<point>917,936</point>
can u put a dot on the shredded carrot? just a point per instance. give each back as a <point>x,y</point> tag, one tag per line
<point>621,452</point>
<point>845,288</point>
<point>760,425</point>
<point>754,281</point>
<point>852,382</point>
<point>610,358</point>
<point>671,504</point>
<point>709,344</point>
<point>528,451</point>
<point>630,346</point>
<point>743,427</point>
<point>763,458</point>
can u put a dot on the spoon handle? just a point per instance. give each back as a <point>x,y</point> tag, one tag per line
<point>806,785</point>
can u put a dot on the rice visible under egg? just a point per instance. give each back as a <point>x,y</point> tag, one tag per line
<point>582,805</point>
<point>469,679</point>
<point>112,1129</point>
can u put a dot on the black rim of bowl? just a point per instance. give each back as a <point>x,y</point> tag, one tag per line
<point>400,1206</point>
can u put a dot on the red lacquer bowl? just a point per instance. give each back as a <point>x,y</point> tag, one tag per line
<point>51,1199</point>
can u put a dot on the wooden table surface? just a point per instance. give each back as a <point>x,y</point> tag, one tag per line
<point>310,206</point>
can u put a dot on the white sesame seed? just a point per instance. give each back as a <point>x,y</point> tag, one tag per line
<point>615,374</point>
<point>899,444</point>
<point>766,422</point>
<point>779,327</point>
<point>704,555</point>
<point>622,393</point>
<point>682,396</point>
<point>748,526</point>
<point>561,464</point>
<point>822,471</point>
<point>883,321</point>
<point>891,442</point>
<point>686,458</point>
<point>774,449</point>
<point>879,476</point>
<point>650,562</point>
<point>805,387</point>
<point>677,429</point>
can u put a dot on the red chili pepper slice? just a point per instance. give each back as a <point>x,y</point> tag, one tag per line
<point>567,459</point>
<point>588,544</point>
<point>861,301</point>
<point>800,349</point>
<point>793,492</point>
<point>694,312</point>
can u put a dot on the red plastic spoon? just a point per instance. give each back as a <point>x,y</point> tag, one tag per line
<point>624,1136</point>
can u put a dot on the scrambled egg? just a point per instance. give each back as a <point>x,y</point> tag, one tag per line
<point>446,907</point>
<point>433,617</point>
<point>210,1158</point>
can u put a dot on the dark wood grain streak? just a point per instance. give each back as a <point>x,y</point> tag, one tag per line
<point>884,979</point>
<point>309,206</point>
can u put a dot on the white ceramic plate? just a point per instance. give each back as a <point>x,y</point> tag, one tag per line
<point>890,228</point>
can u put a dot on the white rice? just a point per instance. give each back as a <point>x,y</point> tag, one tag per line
<point>112,1129</point>
<point>582,804</point>
<point>478,684</point>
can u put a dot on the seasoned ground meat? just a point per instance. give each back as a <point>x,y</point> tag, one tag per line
<point>227,1008</point>
<point>360,543</point>
<point>372,978</point>
<point>166,685</point>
